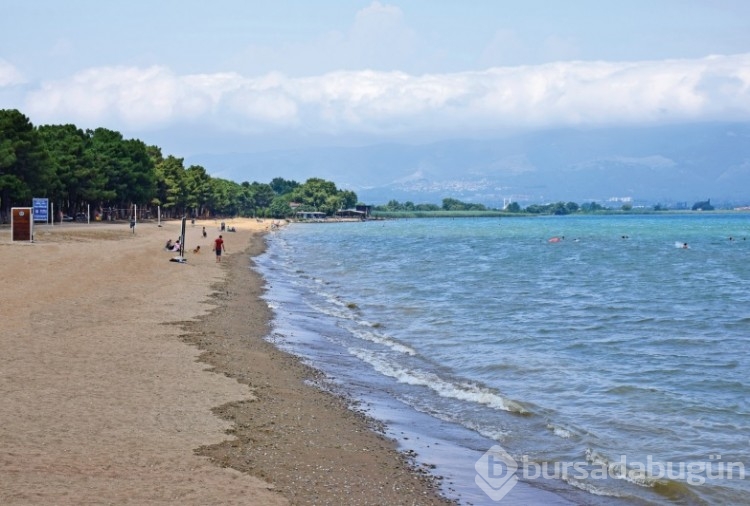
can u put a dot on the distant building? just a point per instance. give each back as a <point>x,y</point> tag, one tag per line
<point>310,215</point>
<point>364,209</point>
<point>351,213</point>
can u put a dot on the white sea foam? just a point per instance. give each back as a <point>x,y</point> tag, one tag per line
<point>590,488</point>
<point>463,391</point>
<point>495,434</point>
<point>617,469</point>
<point>337,310</point>
<point>559,431</point>
<point>385,341</point>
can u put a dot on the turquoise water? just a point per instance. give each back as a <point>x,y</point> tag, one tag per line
<point>614,348</point>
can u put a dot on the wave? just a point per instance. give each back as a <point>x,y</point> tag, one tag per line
<point>375,337</point>
<point>590,488</point>
<point>672,489</point>
<point>348,315</point>
<point>469,392</point>
<point>560,431</point>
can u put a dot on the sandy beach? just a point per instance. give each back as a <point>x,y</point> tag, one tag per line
<point>130,379</point>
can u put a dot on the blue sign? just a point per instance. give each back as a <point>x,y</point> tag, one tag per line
<point>41,209</point>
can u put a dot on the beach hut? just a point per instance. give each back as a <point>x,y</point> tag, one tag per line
<point>310,215</point>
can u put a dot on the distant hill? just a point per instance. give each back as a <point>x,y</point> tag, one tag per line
<point>666,164</point>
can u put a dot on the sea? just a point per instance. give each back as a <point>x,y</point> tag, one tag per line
<point>592,359</point>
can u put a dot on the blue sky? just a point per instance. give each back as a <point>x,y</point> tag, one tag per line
<point>234,75</point>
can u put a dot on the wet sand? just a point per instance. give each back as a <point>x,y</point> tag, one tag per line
<point>127,378</point>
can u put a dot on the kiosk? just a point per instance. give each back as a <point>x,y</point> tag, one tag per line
<point>22,224</point>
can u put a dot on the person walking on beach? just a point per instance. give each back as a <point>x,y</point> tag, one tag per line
<point>204,232</point>
<point>219,247</point>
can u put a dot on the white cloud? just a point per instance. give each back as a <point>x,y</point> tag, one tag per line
<point>9,75</point>
<point>139,97</point>
<point>379,38</point>
<point>507,47</point>
<point>396,103</point>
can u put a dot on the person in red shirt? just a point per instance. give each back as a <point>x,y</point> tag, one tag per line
<point>219,247</point>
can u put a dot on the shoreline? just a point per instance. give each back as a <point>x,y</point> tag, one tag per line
<point>105,402</point>
<point>309,442</point>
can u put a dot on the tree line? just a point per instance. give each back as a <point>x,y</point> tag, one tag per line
<point>101,171</point>
<point>448,204</point>
<point>555,208</point>
<point>451,204</point>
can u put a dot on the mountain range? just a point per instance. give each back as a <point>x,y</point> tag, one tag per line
<point>672,165</point>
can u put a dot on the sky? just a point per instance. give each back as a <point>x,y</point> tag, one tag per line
<point>243,75</point>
